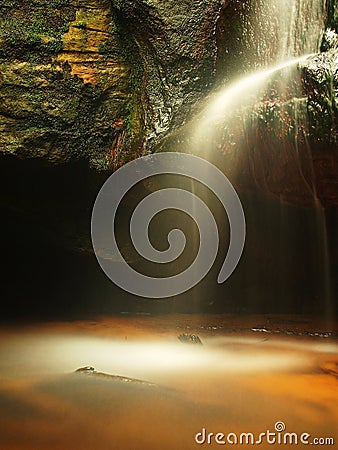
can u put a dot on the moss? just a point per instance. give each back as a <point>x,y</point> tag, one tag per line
<point>108,49</point>
<point>320,81</point>
<point>82,24</point>
<point>130,54</point>
<point>32,30</point>
<point>61,118</point>
<point>9,3</point>
<point>127,53</point>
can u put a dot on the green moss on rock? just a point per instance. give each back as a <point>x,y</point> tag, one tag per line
<point>32,30</point>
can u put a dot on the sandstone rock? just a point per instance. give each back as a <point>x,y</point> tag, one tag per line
<point>321,82</point>
<point>68,104</point>
<point>101,80</point>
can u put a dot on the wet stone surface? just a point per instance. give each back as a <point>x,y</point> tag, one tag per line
<point>190,339</point>
<point>91,371</point>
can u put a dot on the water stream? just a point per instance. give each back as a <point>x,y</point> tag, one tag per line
<point>276,36</point>
<point>235,382</point>
<point>243,378</point>
<point>257,122</point>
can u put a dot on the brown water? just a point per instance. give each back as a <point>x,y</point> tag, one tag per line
<point>238,381</point>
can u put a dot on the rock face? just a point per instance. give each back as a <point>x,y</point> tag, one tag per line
<point>100,80</point>
<point>177,50</point>
<point>321,83</point>
<point>286,147</point>
<point>106,81</point>
<point>87,85</point>
<point>64,95</point>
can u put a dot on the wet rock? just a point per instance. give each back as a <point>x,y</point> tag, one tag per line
<point>177,49</point>
<point>330,40</point>
<point>86,369</point>
<point>211,327</point>
<point>330,368</point>
<point>288,332</point>
<point>90,371</point>
<point>321,83</point>
<point>190,339</point>
<point>64,83</point>
<point>106,81</point>
<point>261,330</point>
<point>100,80</point>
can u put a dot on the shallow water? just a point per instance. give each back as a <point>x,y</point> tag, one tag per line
<point>238,381</point>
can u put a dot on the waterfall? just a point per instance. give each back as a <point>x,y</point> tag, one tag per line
<point>301,26</point>
<point>277,30</point>
<point>254,126</point>
<point>257,124</point>
<point>276,36</point>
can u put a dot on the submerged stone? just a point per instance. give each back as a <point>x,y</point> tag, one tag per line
<point>190,339</point>
<point>86,369</point>
<point>89,370</point>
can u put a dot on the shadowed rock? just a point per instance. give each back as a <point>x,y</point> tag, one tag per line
<point>90,371</point>
<point>190,339</point>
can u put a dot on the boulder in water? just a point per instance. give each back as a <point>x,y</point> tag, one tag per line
<point>190,339</point>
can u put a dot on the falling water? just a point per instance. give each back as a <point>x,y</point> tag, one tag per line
<point>240,93</point>
<point>275,34</point>
<point>275,31</point>
<point>302,26</point>
<point>259,120</point>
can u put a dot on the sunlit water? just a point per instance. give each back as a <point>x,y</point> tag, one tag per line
<point>276,36</point>
<point>238,94</point>
<point>276,30</point>
<point>235,382</point>
<point>258,123</point>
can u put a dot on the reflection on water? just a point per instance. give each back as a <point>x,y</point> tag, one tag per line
<point>236,382</point>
